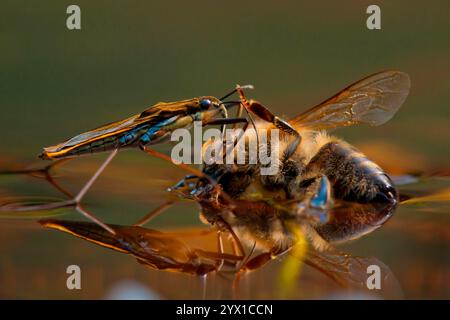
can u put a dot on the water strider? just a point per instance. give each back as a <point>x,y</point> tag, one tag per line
<point>152,126</point>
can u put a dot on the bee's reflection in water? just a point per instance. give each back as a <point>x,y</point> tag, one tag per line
<point>254,242</point>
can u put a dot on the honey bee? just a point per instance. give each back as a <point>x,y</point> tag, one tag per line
<point>306,152</point>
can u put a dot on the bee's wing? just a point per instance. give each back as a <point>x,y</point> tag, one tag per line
<point>373,100</point>
<point>352,271</point>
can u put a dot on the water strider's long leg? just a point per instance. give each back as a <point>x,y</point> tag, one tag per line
<point>43,173</point>
<point>85,189</point>
<point>198,174</point>
<point>194,171</point>
<point>94,177</point>
<point>164,157</point>
<point>154,213</point>
<point>91,217</point>
<point>195,174</point>
<point>74,201</point>
<point>226,121</point>
<point>53,182</point>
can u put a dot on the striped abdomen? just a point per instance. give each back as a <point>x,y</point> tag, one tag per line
<point>91,142</point>
<point>353,176</point>
<point>99,144</point>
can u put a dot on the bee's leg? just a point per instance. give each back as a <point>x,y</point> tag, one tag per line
<point>257,262</point>
<point>289,169</point>
<point>238,248</point>
<point>220,249</point>
<point>234,246</point>
<point>352,175</point>
<point>262,112</point>
<point>261,259</point>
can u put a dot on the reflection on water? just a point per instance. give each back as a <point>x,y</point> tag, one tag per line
<point>411,248</point>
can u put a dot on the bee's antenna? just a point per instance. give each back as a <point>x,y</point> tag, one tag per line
<point>248,86</point>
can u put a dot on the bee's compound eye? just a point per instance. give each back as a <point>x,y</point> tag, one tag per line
<point>205,103</point>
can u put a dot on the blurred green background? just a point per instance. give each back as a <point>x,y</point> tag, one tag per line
<point>129,55</point>
<point>55,83</point>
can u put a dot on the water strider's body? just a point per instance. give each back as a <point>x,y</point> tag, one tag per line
<point>152,126</point>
